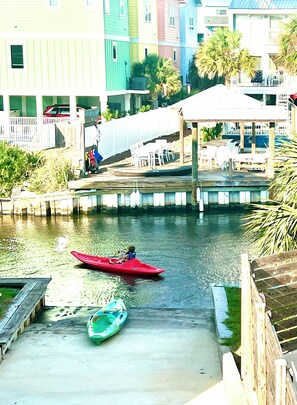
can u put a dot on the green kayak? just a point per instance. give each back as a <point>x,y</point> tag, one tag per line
<point>107,321</point>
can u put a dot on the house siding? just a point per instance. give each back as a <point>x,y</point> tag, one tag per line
<point>117,73</point>
<point>143,34</point>
<point>169,36</point>
<point>53,65</point>
<point>188,36</point>
<point>117,31</point>
<point>60,53</point>
<point>70,16</point>
<point>133,18</point>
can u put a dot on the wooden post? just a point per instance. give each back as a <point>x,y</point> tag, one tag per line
<point>181,138</point>
<point>261,352</point>
<point>293,118</point>
<point>280,381</point>
<point>241,136</point>
<point>270,171</point>
<point>194,163</point>
<point>247,371</point>
<point>253,137</point>
<point>230,164</point>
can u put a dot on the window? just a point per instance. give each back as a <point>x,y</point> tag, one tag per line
<point>145,52</point>
<point>122,8</point>
<point>221,12</point>
<point>147,11</point>
<point>53,3</point>
<point>107,6</point>
<point>191,20</point>
<point>114,52</point>
<point>200,38</point>
<point>17,56</point>
<point>174,55</point>
<point>172,15</point>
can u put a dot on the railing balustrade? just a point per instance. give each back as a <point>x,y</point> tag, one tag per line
<point>113,137</point>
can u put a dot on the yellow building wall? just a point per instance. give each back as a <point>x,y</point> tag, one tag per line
<point>55,65</point>
<point>61,54</point>
<point>142,34</point>
<point>69,16</point>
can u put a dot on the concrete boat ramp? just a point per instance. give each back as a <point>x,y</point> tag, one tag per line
<point>160,357</point>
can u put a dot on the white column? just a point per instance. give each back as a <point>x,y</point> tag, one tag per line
<point>103,102</point>
<point>137,101</point>
<point>6,105</point>
<point>24,106</point>
<point>39,106</point>
<point>6,108</point>
<point>72,102</point>
<point>127,102</point>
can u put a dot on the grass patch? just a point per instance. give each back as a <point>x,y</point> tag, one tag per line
<point>233,321</point>
<point>6,297</point>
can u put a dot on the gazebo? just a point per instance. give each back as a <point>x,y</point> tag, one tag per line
<point>222,104</point>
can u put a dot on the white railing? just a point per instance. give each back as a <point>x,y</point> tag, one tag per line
<point>115,136</point>
<point>118,135</point>
<point>29,133</point>
<point>269,78</point>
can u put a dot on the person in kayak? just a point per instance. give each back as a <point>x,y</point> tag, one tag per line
<point>127,255</point>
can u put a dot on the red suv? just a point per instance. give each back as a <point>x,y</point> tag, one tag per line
<point>63,110</point>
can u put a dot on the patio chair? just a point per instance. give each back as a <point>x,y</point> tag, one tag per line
<point>133,149</point>
<point>168,154</point>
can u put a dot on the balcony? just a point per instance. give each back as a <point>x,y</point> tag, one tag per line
<point>270,82</point>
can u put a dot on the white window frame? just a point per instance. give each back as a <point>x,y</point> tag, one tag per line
<point>20,43</point>
<point>172,15</point>
<point>122,8</point>
<point>53,5</point>
<point>114,52</point>
<point>147,11</point>
<point>107,6</point>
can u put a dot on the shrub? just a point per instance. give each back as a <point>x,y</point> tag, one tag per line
<point>52,175</point>
<point>107,115</point>
<point>211,133</point>
<point>16,166</point>
<point>145,108</point>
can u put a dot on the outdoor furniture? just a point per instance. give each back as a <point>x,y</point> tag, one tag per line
<point>168,154</point>
<point>217,152</point>
<point>250,161</point>
<point>136,158</point>
<point>149,154</point>
<point>207,156</point>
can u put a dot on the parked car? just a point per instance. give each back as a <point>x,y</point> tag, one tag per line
<point>63,110</point>
<point>293,98</point>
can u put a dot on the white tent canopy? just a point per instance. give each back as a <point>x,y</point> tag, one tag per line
<point>222,104</point>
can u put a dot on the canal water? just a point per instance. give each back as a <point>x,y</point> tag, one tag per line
<point>194,249</point>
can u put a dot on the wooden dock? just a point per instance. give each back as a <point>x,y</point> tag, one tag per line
<point>23,310</point>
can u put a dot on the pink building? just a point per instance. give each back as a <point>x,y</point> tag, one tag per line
<point>169,30</point>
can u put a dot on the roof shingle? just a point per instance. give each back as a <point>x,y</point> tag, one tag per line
<point>264,4</point>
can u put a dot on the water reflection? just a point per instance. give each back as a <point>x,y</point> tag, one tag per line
<point>194,249</point>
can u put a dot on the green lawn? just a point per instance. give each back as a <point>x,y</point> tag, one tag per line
<point>233,322</point>
<point>6,297</point>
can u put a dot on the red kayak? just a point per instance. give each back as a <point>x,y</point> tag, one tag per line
<point>132,266</point>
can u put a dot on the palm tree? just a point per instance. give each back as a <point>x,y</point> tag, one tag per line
<point>272,228</point>
<point>287,57</point>
<point>221,55</point>
<point>162,76</point>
